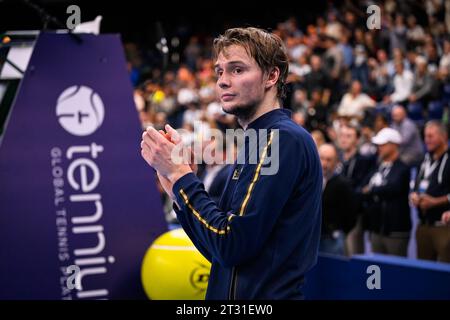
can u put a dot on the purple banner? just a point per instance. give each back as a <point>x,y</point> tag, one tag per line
<point>74,190</point>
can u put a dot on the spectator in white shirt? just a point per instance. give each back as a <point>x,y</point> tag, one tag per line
<point>354,103</point>
<point>415,32</point>
<point>300,68</point>
<point>403,83</point>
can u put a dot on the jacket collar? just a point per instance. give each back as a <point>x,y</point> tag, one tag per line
<point>268,118</point>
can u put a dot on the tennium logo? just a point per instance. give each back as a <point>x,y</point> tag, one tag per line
<point>80,110</point>
<point>83,251</point>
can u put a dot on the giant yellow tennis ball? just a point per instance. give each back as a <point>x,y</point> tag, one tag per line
<point>173,269</point>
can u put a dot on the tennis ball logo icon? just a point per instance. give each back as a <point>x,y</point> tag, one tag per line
<point>80,110</point>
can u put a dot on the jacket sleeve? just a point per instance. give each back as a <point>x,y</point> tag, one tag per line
<point>186,227</point>
<point>237,235</point>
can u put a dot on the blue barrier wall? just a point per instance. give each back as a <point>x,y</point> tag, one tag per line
<point>342,278</point>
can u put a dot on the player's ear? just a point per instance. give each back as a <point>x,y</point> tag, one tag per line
<point>272,77</point>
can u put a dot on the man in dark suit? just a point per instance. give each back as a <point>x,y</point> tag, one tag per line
<point>386,195</point>
<point>355,167</point>
<point>338,209</point>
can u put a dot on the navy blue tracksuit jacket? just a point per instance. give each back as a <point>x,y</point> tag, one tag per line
<point>263,236</point>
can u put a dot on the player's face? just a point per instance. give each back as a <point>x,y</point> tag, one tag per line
<point>240,84</point>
